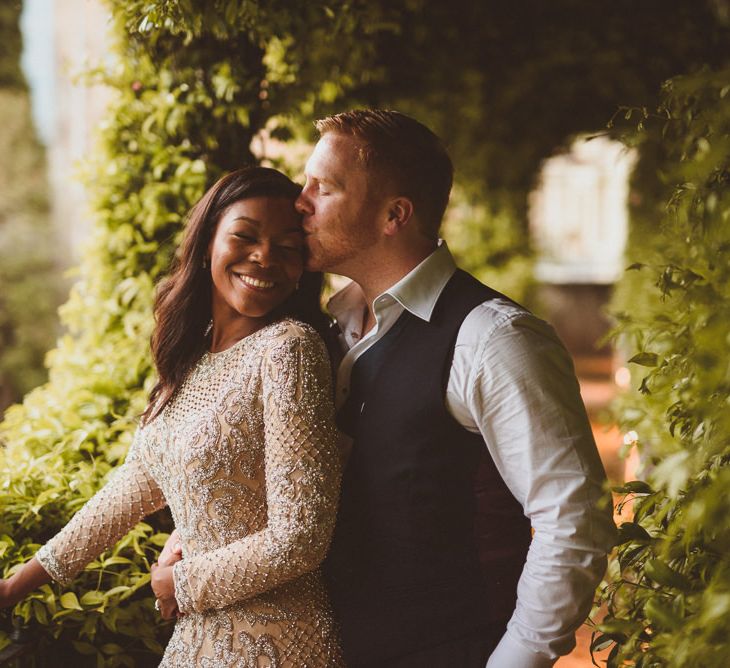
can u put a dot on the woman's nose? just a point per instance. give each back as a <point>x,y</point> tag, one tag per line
<point>263,255</point>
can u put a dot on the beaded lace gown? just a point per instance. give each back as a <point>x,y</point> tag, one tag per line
<point>246,457</point>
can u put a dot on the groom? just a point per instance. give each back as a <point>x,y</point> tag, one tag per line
<point>467,426</point>
<point>471,530</point>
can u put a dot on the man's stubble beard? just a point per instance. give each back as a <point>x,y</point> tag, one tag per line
<point>339,256</point>
<point>324,261</point>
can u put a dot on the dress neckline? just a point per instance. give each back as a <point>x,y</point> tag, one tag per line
<point>249,337</point>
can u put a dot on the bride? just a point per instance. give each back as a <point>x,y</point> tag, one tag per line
<point>238,439</point>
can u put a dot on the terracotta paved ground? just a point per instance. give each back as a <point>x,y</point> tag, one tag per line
<point>581,657</point>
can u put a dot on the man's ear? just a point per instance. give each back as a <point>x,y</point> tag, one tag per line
<point>400,213</point>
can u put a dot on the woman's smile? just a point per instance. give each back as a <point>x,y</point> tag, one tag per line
<point>254,283</point>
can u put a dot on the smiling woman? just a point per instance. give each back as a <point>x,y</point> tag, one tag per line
<point>238,439</point>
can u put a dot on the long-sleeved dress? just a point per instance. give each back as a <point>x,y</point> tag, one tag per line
<point>246,457</point>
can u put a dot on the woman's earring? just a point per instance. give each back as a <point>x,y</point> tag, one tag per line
<point>296,287</point>
<point>205,263</point>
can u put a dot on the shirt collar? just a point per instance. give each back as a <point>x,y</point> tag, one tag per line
<point>417,292</point>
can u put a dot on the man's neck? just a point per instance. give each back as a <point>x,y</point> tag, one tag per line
<point>376,277</point>
<point>368,320</point>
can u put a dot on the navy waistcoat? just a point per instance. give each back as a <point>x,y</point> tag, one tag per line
<point>429,542</point>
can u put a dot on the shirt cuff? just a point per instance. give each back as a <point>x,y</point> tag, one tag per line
<point>510,654</point>
<point>183,596</point>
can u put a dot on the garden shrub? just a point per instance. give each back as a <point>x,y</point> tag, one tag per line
<point>668,591</point>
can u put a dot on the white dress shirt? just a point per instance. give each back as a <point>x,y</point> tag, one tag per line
<point>512,381</point>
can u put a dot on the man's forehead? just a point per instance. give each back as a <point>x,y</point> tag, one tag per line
<point>335,151</point>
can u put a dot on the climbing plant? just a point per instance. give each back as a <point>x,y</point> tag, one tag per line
<point>668,591</point>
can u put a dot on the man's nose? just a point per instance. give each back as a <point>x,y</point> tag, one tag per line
<point>303,205</point>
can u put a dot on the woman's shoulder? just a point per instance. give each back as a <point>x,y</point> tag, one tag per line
<point>289,329</point>
<point>293,337</point>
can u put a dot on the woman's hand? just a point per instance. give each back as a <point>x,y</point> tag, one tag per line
<point>164,587</point>
<point>6,595</point>
<point>28,577</point>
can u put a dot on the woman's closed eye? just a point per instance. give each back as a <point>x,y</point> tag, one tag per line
<point>245,237</point>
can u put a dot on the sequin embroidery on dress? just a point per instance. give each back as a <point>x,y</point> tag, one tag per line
<point>246,457</point>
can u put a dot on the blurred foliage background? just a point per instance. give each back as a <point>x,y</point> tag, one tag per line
<point>506,86</point>
<point>28,276</point>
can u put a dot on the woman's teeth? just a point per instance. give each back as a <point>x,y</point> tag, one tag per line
<point>255,282</point>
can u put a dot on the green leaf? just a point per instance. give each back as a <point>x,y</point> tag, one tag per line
<point>70,602</point>
<point>111,648</point>
<point>645,359</point>
<point>632,532</point>
<point>111,561</point>
<point>662,574</point>
<point>660,613</point>
<point>119,589</point>
<point>84,647</point>
<point>159,539</point>
<point>627,556</point>
<point>601,642</point>
<point>93,598</point>
<point>618,629</point>
<point>633,487</point>
<point>152,644</point>
<point>40,612</point>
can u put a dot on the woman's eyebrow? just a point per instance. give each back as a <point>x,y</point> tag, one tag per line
<point>290,230</point>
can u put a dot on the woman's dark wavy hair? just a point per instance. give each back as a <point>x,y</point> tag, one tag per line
<point>183,302</point>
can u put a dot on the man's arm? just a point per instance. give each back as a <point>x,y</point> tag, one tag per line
<point>519,390</point>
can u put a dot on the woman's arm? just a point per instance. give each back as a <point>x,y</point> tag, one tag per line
<point>128,496</point>
<point>302,485</point>
<point>28,577</point>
